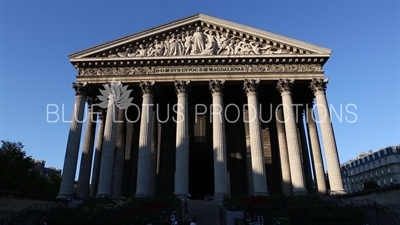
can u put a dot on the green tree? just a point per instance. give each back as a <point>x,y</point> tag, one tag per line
<point>15,167</point>
<point>17,172</point>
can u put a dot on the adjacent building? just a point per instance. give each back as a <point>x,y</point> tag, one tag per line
<point>46,172</point>
<point>382,167</point>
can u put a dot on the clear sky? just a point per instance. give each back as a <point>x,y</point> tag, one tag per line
<point>37,36</point>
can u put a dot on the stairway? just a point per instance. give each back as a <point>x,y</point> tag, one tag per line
<point>206,212</point>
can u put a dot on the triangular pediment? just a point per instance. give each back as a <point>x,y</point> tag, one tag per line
<point>200,35</point>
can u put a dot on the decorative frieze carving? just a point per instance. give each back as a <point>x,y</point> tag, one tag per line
<point>199,41</point>
<point>319,84</point>
<point>146,87</point>
<point>80,88</point>
<point>268,68</point>
<point>181,86</point>
<point>250,86</point>
<point>217,86</point>
<point>285,85</point>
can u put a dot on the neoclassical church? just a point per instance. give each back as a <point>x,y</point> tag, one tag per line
<point>201,106</point>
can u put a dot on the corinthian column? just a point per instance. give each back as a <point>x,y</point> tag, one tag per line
<point>219,143</point>
<point>318,86</point>
<point>296,169</point>
<point>119,155</point>
<point>316,151</point>
<point>256,143</point>
<point>74,139</point>
<point>87,152</point>
<point>146,129</point>
<point>97,155</point>
<point>283,153</point>
<point>182,140</point>
<point>108,148</point>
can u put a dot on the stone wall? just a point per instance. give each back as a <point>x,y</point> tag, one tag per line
<point>9,200</point>
<point>383,196</point>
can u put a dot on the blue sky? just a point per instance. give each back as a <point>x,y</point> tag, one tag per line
<point>37,36</point>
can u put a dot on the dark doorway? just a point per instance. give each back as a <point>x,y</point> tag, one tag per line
<point>201,170</point>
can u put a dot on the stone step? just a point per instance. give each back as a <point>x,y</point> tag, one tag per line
<point>206,212</point>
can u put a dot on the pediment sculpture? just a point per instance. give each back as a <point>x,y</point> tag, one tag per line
<point>200,41</point>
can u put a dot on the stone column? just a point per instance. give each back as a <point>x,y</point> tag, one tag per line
<point>182,140</point>
<point>119,155</point>
<point>293,144</point>
<point>74,139</point>
<point>97,155</point>
<point>305,153</point>
<point>146,130</point>
<point>256,142</point>
<point>319,171</point>
<point>249,171</point>
<point>318,86</point>
<point>87,152</point>
<point>108,148</point>
<point>219,142</point>
<point>283,152</point>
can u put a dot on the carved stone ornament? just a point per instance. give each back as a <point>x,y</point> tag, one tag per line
<point>272,68</point>
<point>90,100</point>
<point>146,87</point>
<point>80,88</point>
<point>181,86</point>
<point>102,114</point>
<point>250,86</point>
<point>217,86</point>
<point>199,41</point>
<point>319,85</point>
<point>285,85</point>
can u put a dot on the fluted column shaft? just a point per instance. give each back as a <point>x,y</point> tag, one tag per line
<point>144,151</point>
<point>283,153</point>
<point>328,138</point>
<point>118,171</point>
<point>256,142</point>
<point>219,142</point>
<point>293,144</point>
<point>108,150</point>
<point>87,153</point>
<point>316,152</point>
<point>74,139</point>
<point>182,140</point>
<point>249,171</point>
<point>153,157</point>
<point>97,155</point>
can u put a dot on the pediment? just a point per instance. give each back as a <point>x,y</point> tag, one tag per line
<point>200,35</point>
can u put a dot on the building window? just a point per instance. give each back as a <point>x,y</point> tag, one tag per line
<point>376,173</point>
<point>394,149</point>
<point>397,159</point>
<point>388,170</point>
<point>382,172</point>
<point>391,180</point>
<point>384,181</point>
<point>379,183</point>
<point>385,151</point>
<point>370,175</point>
<point>366,177</point>
<point>373,165</point>
<point>361,178</point>
<point>380,164</point>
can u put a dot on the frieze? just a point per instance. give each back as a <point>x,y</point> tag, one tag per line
<point>200,41</point>
<point>267,68</point>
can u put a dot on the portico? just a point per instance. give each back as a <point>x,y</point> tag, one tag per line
<point>201,88</point>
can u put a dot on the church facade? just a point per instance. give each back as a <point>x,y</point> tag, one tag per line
<point>200,106</point>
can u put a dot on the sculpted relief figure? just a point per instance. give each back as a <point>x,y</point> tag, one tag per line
<point>200,42</point>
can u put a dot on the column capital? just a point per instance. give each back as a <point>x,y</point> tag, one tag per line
<point>217,86</point>
<point>319,85</point>
<point>181,86</point>
<point>146,87</point>
<point>285,85</point>
<point>250,86</point>
<point>91,100</point>
<point>102,114</point>
<point>80,88</point>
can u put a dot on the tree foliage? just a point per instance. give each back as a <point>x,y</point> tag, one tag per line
<point>17,172</point>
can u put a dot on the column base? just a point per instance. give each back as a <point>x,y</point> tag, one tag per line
<point>64,196</point>
<point>219,197</point>
<point>300,192</point>
<point>142,196</point>
<point>182,196</point>
<point>261,193</point>
<point>337,192</point>
<point>103,196</point>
